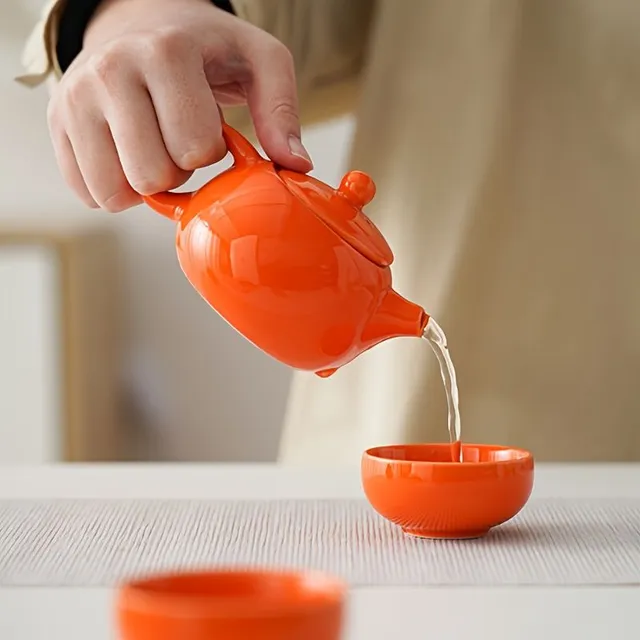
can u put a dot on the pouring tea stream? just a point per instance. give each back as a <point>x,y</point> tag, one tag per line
<point>294,265</point>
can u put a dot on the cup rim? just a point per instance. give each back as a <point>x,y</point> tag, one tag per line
<point>137,594</point>
<point>522,455</point>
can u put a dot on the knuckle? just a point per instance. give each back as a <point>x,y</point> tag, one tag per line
<point>106,64</point>
<point>284,108</point>
<point>76,91</point>
<point>168,44</point>
<point>287,59</point>
<point>54,106</point>
<point>53,116</point>
<point>147,185</point>
<point>201,153</point>
<point>281,53</point>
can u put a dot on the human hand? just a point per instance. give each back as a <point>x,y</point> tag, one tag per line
<point>136,113</point>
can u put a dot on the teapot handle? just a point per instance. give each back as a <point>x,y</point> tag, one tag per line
<point>244,154</point>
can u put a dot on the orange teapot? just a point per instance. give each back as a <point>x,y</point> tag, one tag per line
<point>292,264</point>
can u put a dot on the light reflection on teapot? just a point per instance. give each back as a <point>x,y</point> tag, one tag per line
<point>292,264</point>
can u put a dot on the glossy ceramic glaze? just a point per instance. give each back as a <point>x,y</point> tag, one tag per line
<point>243,605</point>
<point>418,488</point>
<point>294,265</point>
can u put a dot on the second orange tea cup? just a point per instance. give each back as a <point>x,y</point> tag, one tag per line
<point>233,605</point>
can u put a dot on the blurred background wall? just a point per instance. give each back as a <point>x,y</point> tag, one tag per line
<point>189,388</point>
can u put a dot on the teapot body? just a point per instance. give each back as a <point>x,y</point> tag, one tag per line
<point>277,273</point>
<point>292,264</point>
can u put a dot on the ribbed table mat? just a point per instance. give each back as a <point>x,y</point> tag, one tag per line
<point>100,543</point>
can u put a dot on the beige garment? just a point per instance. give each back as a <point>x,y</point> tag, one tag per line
<point>504,136</point>
<point>505,140</point>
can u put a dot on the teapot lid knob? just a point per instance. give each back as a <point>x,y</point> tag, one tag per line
<point>358,188</point>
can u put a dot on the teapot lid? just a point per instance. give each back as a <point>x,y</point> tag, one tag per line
<point>341,210</point>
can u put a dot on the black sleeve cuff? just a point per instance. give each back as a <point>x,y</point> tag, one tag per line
<point>74,20</point>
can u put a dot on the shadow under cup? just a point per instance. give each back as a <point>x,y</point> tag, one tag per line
<point>232,604</point>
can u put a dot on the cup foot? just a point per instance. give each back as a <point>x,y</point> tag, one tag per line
<point>446,535</point>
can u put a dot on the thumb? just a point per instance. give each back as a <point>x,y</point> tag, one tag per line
<point>273,102</point>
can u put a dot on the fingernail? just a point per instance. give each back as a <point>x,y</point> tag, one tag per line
<point>297,149</point>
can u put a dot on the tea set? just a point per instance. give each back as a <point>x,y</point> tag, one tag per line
<point>299,270</point>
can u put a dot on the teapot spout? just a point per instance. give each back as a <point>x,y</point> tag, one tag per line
<point>395,317</point>
<point>169,204</point>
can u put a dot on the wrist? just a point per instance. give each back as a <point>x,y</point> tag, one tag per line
<point>112,16</point>
<point>88,22</point>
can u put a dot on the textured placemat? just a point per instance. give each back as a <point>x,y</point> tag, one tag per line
<point>98,543</point>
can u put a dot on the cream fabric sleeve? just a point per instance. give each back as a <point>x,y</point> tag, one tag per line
<point>38,56</point>
<point>327,39</point>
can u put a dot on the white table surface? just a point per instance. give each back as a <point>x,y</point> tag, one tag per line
<point>516,613</point>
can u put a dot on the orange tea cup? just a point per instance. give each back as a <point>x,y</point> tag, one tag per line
<point>234,605</point>
<point>419,488</point>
